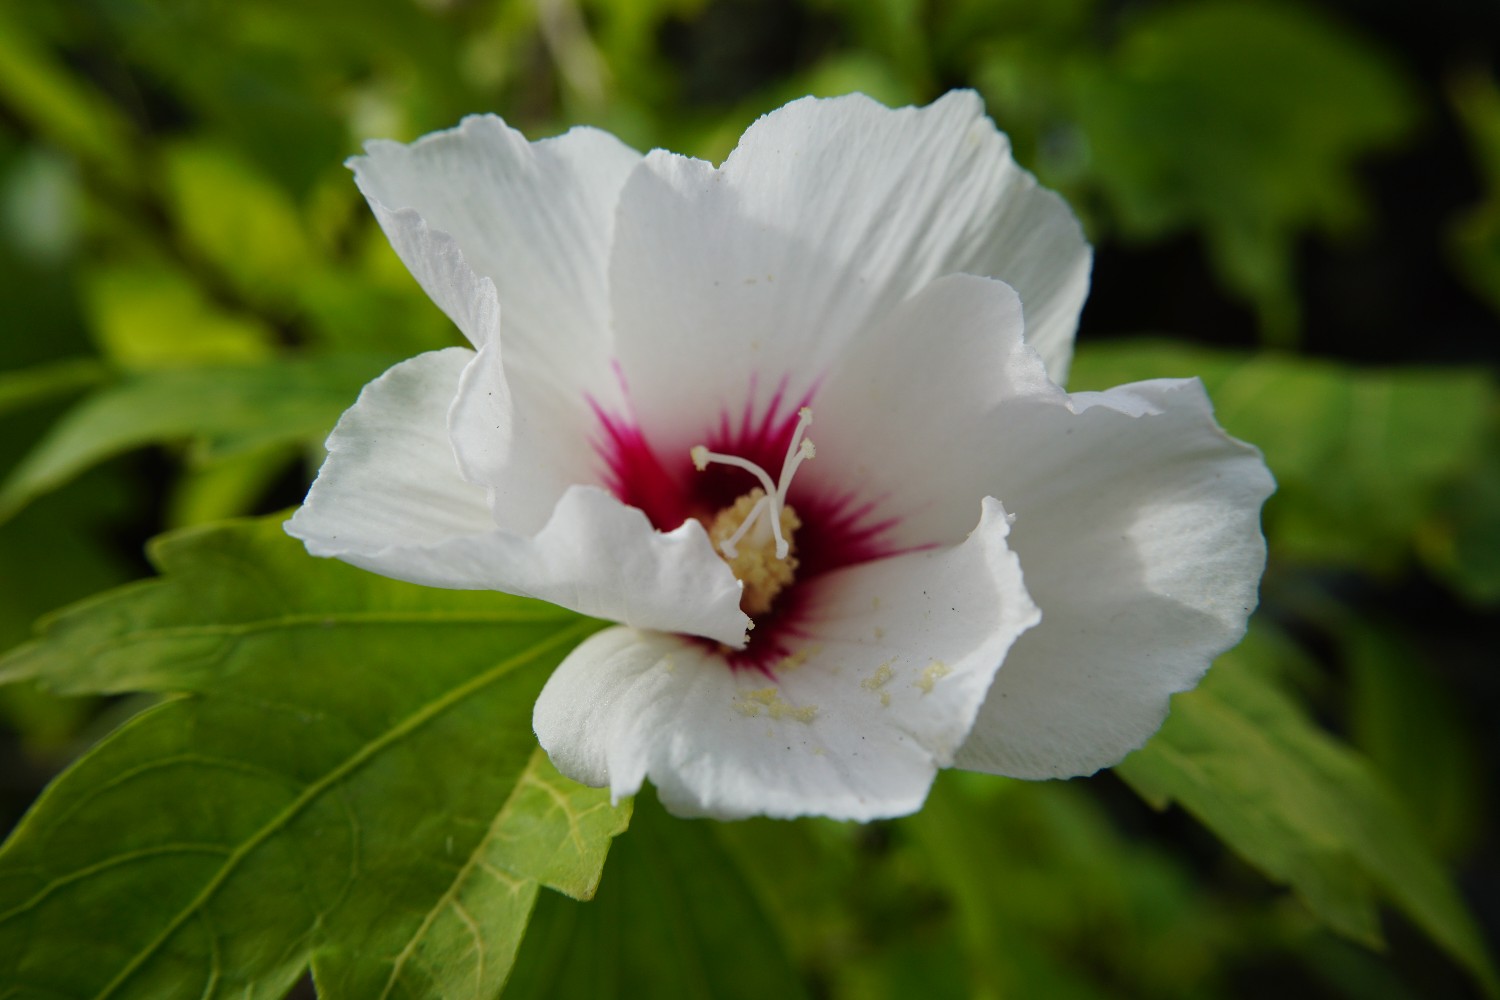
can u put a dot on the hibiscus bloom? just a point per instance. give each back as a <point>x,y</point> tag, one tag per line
<point>795,423</point>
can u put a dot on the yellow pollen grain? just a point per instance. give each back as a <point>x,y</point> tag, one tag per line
<point>782,710</point>
<point>935,671</point>
<point>751,703</point>
<point>755,563</point>
<point>795,660</point>
<point>879,679</point>
<point>885,699</point>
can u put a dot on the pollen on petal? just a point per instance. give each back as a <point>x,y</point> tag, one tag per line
<point>934,672</point>
<point>769,700</point>
<point>794,660</point>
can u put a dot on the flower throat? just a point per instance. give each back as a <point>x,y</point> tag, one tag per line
<point>756,534</point>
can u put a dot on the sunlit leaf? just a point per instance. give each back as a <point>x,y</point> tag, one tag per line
<point>222,411</point>
<point>342,770</point>
<point>239,221</point>
<point>1239,755</point>
<point>149,315</point>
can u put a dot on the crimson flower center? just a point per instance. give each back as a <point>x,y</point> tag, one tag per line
<point>756,534</point>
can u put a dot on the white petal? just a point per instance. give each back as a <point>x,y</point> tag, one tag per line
<point>390,499</point>
<point>827,214</point>
<point>906,419</point>
<point>1137,524</point>
<point>390,478</point>
<point>435,260</point>
<point>525,441</point>
<point>898,657</point>
<point>536,218</point>
<point>595,556</point>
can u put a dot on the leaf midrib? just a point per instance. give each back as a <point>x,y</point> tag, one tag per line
<point>360,619</point>
<point>283,622</point>
<point>352,763</point>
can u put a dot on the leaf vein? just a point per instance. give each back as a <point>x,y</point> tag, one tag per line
<point>348,766</point>
<point>116,861</point>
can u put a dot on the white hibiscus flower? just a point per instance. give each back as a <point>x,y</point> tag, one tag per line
<point>971,567</point>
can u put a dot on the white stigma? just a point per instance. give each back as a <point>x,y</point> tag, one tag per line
<point>768,508</point>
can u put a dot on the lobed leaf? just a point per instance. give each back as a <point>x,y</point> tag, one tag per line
<point>1299,805</point>
<point>341,771</point>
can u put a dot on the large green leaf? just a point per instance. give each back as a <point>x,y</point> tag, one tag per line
<point>222,410</point>
<point>341,771</point>
<point>1299,805</point>
<point>674,918</point>
<point>1361,456</point>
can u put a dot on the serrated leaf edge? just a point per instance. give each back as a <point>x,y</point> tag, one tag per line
<point>364,754</point>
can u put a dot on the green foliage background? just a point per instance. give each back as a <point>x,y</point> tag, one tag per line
<point>314,767</point>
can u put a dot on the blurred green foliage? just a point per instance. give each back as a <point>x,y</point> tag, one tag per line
<point>193,290</point>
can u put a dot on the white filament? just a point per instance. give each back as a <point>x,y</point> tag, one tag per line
<point>770,505</point>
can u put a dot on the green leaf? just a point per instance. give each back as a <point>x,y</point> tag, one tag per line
<point>341,770</point>
<point>1463,542</point>
<point>1400,698</point>
<point>223,411</point>
<point>1035,869</point>
<point>659,927</point>
<point>150,315</point>
<point>32,386</point>
<point>228,487</point>
<point>239,221</point>
<point>1361,457</point>
<point>1299,805</point>
<point>60,105</point>
<point>1243,120</point>
<point>1475,235</point>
